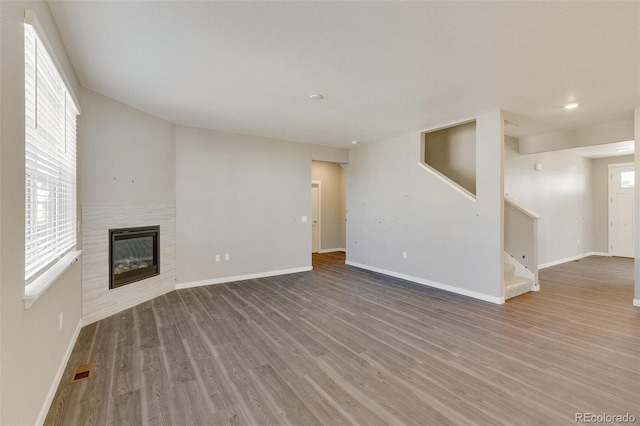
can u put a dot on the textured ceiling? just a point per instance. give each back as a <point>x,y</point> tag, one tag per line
<point>384,68</point>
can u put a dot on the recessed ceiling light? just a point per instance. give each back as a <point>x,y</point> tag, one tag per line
<point>316,97</point>
<point>354,142</point>
<point>572,105</point>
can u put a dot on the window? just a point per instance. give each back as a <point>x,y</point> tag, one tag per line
<point>50,160</point>
<point>627,179</point>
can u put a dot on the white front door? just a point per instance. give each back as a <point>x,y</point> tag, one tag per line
<point>622,181</point>
<point>315,217</point>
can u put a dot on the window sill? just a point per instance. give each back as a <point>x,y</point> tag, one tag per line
<point>33,291</point>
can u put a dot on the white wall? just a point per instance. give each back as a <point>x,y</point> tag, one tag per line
<point>32,347</point>
<point>245,196</point>
<point>1,196</point>
<point>332,213</point>
<point>636,296</point>
<point>561,193</point>
<point>128,174</point>
<point>617,131</point>
<point>393,205</point>
<point>600,190</point>
<point>126,155</point>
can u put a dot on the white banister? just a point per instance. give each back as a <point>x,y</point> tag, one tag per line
<point>524,209</point>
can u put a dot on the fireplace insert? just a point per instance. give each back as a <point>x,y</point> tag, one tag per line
<point>133,254</point>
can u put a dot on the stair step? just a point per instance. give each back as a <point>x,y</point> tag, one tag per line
<point>509,269</point>
<point>515,286</point>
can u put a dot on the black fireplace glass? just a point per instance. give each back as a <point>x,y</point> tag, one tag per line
<point>133,254</point>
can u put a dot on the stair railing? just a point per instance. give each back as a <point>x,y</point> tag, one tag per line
<point>521,235</point>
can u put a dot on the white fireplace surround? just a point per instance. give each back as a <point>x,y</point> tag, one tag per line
<point>97,300</point>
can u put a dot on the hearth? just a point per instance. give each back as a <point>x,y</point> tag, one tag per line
<point>133,254</point>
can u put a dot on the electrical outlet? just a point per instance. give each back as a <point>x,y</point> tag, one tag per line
<point>226,256</point>
<point>404,254</point>
<point>61,320</point>
<point>217,258</point>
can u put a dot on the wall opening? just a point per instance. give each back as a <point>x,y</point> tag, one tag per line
<point>328,183</point>
<point>451,153</point>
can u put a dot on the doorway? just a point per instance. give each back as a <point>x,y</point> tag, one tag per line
<point>621,209</point>
<point>328,209</point>
<point>315,216</point>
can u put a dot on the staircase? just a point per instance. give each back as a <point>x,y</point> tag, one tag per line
<point>515,281</point>
<point>521,249</point>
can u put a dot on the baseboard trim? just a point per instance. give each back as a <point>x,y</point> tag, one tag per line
<point>636,302</point>
<point>332,250</point>
<point>56,381</point>
<point>572,258</point>
<point>242,277</point>
<point>451,289</point>
<point>599,253</point>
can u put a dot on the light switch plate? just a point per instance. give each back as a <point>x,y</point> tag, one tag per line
<point>304,219</point>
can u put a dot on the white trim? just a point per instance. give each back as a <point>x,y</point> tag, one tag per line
<point>468,195</point>
<point>636,302</point>
<point>35,289</point>
<point>450,124</point>
<point>449,288</point>
<point>524,209</point>
<point>572,258</point>
<point>56,380</point>
<point>609,208</point>
<point>223,280</point>
<point>333,250</point>
<point>599,253</point>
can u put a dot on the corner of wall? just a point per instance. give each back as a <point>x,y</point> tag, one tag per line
<point>122,191</point>
<point>637,203</point>
<point>1,178</point>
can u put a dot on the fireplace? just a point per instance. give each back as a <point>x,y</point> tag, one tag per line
<point>133,254</point>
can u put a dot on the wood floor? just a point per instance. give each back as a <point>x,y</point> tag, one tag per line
<point>339,345</point>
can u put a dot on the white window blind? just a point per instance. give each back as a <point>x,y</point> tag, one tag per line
<point>50,160</point>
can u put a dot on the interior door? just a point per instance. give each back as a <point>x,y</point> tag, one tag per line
<point>315,218</point>
<point>622,180</point>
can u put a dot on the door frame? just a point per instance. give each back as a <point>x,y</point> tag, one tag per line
<point>319,183</point>
<point>610,201</point>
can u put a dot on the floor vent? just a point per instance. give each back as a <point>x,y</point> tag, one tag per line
<point>82,372</point>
